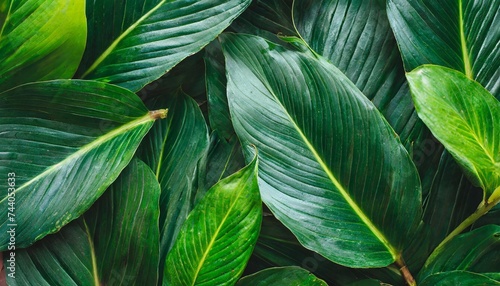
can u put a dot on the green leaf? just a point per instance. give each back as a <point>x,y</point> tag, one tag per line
<point>461,34</point>
<point>462,278</point>
<point>66,141</point>
<point>475,251</point>
<point>123,225</point>
<point>135,43</point>
<point>323,165</point>
<point>60,259</point>
<point>465,118</point>
<point>31,49</point>
<point>281,276</point>
<point>173,148</point>
<point>219,235</point>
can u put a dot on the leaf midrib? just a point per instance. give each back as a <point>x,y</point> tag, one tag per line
<point>115,43</point>
<point>336,183</point>
<point>7,18</point>
<point>95,272</point>
<point>88,147</point>
<point>463,43</point>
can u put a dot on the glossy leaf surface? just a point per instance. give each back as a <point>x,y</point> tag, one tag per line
<point>173,149</point>
<point>323,167</point>
<point>219,235</point>
<point>464,117</point>
<point>459,34</point>
<point>60,259</point>
<point>66,141</point>
<point>123,226</point>
<point>462,278</point>
<point>141,40</point>
<point>281,276</point>
<point>476,251</point>
<point>30,48</point>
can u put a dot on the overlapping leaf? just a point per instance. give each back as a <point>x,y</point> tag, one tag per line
<point>123,227</point>
<point>465,118</point>
<point>324,173</point>
<point>135,43</point>
<point>60,259</point>
<point>40,40</point>
<point>476,251</point>
<point>173,149</point>
<point>281,276</point>
<point>458,34</point>
<point>463,278</point>
<point>66,141</point>
<point>218,237</point>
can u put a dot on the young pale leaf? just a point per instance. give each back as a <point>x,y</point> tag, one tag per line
<point>462,278</point>
<point>465,118</point>
<point>123,226</point>
<point>60,259</point>
<point>333,171</point>
<point>31,49</point>
<point>458,34</point>
<point>218,237</point>
<point>281,276</point>
<point>475,251</point>
<point>135,43</point>
<point>173,149</point>
<point>64,142</point>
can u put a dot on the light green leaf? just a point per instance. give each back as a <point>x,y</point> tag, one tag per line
<point>135,43</point>
<point>462,278</point>
<point>458,34</point>
<point>66,141</point>
<point>173,148</point>
<point>123,226</point>
<point>476,251</point>
<point>60,259</point>
<point>465,118</point>
<point>281,276</point>
<point>323,164</point>
<point>40,40</point>
<point>219,235</point>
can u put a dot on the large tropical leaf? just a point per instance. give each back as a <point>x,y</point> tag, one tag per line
<point>333,171</point>
<point>30,48</point>
<point>465,118</point>
<point>123,227</point>
<point>476,251</point>
<point>458,34</point>
<point>66,141</point>
<point>60,259</point>
<point>219,235</point>
<point>173,149</point>
<point>281,276</point>
<point>134,43</point>
<point>462,278</point>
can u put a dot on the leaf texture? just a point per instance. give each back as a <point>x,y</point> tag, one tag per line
<point>143,40</point>
<point>281,276</point>
<point>323,166</point>
<point>66,141</point>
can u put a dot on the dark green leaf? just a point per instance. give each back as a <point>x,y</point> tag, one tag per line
<point>475,251</point>
<point>31,49</point>
<point>462,35</point>
<point>66,141</point>
<point>135,43</point>
<point>462,278</point>
<point>292,275</point>
<point>60,259</point>
<point>173,149</point>
<point>465,118</point>
<point>219,235</point>
<point>123,225</point>
<point>323,166</point>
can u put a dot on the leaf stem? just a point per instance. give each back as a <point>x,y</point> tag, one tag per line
<point>405,271</point>
<point>482,209</point>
